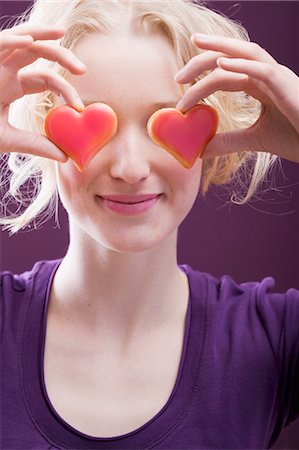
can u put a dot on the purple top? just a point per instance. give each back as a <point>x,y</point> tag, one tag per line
<point>237,385</point>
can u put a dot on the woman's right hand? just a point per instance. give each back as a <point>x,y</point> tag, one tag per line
<point>20,46</point>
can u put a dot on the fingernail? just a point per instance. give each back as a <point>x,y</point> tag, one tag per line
<point>26,37</point>
<point>81,65</point>
<point>224,61</point>
<point>63,157</point>
<point>79,106</point>
<point>180,74</point>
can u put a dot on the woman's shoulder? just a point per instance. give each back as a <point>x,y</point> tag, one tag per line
<point>255,303</point>
<point>14,287</point>
<point>227,287</point>
<point>18,290</point>
<point>252,325</point>
<point>20,282</point>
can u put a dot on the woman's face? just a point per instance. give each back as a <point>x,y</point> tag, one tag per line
<point>133,74</point>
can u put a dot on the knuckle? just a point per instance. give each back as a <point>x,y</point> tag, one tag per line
<point>63,54</point>
<point>255,46</point>
<point>23,79</point>
<point>35,78</point>
<point>218,78</point>
<point>58,84</point>
<point>49,77</point>
<point>257,49</point>
<point>284,70</point>
<point>52,82</point>
<point>269,72</point>
<point>46,50</point>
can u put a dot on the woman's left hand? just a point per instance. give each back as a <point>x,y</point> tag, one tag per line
<point>245,66</point>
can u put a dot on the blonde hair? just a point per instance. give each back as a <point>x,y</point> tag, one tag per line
<point>177,20</point>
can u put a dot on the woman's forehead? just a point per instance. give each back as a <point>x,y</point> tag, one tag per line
<point>125,67</point>
<point>125,49</point>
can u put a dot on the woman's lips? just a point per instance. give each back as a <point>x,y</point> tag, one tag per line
<point>130,208</point>
<point>125,198</point>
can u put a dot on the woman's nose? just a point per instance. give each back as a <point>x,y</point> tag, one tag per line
<point>130,158</point>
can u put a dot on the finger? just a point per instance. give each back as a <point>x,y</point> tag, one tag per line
<point>279,83</point>
<point>37,32</point>
<point>22,58</point>
<point>21,141</point>
<point>197,65</point>
<point>10,42</point>
<point>218,80</point>
<point>259,70</point>
<point>232,47</point>
<point>38,81</point>
<point>234,141</point>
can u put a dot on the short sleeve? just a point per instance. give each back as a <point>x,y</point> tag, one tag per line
<point>279,314</point>
<point>13,289</point>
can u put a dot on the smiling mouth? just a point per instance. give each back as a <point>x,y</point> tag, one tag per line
<point>129,203</point>
<point>130,208</point>
<point>130,200</point>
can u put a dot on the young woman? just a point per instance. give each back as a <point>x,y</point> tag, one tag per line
<point>116,346</point>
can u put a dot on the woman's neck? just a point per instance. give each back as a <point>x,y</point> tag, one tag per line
<point>120,296</point>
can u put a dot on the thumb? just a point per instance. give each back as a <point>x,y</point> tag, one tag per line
<point>235,141</point>
<point>21,141</point>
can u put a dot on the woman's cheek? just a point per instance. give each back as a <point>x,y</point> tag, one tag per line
<point>189,178</point>
<point>70,181</point>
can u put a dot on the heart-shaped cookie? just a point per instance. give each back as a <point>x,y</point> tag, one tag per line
<point>81,134</point>
<point>183,135</point>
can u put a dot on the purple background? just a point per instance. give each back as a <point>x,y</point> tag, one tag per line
<point>247,242</point>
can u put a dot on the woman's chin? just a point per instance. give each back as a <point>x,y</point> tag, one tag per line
<point>130,245</point>
<point>132,241</point>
